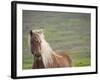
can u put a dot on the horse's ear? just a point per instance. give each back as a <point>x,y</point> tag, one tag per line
<point>30,32</point>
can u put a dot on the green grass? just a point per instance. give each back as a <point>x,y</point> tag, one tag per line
<point>63,31</point>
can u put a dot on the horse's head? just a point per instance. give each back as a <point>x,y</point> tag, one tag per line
<point>35,41</point>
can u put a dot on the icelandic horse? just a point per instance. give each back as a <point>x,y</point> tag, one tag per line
<point>44,56</point>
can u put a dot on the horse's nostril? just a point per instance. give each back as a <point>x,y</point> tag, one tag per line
<point>31,32</point>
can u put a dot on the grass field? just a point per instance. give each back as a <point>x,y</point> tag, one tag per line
<point>69,32</point>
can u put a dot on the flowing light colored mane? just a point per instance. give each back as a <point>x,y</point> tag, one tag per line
<point>44,56</point>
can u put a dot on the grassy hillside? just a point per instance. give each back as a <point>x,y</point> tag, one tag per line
<point>63,31</point>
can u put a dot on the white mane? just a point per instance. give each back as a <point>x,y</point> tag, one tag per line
<point>46,52</point>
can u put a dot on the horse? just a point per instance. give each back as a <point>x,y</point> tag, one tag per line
<point>44,55</point>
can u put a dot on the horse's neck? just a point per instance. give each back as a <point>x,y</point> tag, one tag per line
<point>38,63</point>
<point>46,53</point>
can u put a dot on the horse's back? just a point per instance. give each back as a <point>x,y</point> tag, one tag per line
<point>64,58</point>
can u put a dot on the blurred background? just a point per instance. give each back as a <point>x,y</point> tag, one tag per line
<point>69,32</point>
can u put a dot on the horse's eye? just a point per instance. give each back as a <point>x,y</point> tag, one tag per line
<point>39,32</point>
<point>34,37</point>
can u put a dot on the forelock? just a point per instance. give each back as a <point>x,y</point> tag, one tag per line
<point>38,30</point>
